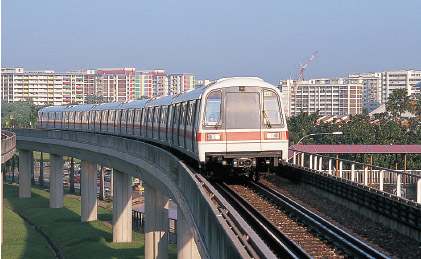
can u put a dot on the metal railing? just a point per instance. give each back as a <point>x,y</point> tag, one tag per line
<point>404,184</point>
<point>8,145</point>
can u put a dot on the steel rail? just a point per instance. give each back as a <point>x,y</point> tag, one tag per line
<point>350,244</point>
<point>280,243</point>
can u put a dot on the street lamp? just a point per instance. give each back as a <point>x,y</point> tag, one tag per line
<point>316,134</point>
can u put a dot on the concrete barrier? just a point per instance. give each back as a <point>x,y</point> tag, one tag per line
<point>154,166</point>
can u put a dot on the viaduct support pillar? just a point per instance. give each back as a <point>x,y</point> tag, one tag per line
<point>88,189</point>
<point>122,208</point>
<point>156,223</point>
<point>186,246</point>
<point>25,160</point>
<point>56,181</point>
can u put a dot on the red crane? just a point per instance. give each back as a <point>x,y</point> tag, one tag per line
<point>300,76</point>
<point>297,81</point>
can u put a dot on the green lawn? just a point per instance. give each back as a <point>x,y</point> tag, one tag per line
<point>20,240</point>
<point>76,239</point>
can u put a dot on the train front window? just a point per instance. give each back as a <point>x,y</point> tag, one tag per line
<point>271,110</point>
<point>242,110</point>
<point>213,108</point>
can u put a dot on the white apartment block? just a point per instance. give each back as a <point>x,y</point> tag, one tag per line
<point>335,96</point>
<point>112,84</point>
<point>180,83</point>
<point>44,86</point>
<point>160,85</point>
<point>379,86</point>
<point>372,93</point>
<point>400,79</point>
<point>203,83</point>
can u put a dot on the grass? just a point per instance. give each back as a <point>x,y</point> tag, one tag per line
<point>76,239</point>
<point>20,240</point>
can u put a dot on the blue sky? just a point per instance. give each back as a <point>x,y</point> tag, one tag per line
<point>213,39</point>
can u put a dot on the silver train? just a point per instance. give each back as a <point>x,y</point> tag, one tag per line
<point>235,124</point>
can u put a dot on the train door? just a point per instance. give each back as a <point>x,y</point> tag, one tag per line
<point>91,120</point>
<point>111,121</point>
<point>242,121</point>
<point>155,122</point>
<point>130,117</point>
<point>189,125</point>
<point>136,122</point>
<point>142,122</point>
<point>195,125</point>
<point>182,124</point>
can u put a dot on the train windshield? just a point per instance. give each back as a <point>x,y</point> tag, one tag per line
<point>242,111</point>
<point>213,108</point>
<point>271,110</point>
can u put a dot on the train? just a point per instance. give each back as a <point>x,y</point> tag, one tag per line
<point>234,125</point>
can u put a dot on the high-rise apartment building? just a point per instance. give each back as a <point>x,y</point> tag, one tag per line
<point>407,79</point>
<point>180,83</point>
<point>81,86</point>
<point>372,93</point>
<point>334,96</point>
<point>378,86</point>
<point>44,86</point>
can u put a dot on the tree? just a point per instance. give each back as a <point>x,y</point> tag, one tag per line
<point>301,125</point>
<point>398,103</point>
<point>19,114</point>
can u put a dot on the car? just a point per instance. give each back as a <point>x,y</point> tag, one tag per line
<point>107,177</point>
<point>66,179</point>
<point>77,178</point>
<point>98,181</point>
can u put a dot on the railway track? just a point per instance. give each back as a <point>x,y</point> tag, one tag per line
<point>289,229</point>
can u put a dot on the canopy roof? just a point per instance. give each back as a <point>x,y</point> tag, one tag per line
<point>358,149</point>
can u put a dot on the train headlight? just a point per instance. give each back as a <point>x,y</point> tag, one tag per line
<point>213,136</point>
<point>273,135</point>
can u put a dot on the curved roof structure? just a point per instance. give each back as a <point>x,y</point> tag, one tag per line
<point>358,149</point>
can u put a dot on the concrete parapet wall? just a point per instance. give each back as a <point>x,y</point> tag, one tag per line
<point>153,165</point>
<point>8,145</point>
<point>374,204</point>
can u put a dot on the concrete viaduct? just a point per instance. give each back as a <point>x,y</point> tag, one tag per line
<point>202,233</point>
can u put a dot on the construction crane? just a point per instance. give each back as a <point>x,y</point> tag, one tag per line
<point>297,81</point>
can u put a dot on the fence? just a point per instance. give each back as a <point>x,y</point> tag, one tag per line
<point>404,184</point>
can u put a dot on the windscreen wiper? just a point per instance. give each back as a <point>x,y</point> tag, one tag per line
<point>266,118</point>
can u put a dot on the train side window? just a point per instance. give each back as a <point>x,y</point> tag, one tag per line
<point>156,116</point>
<point>71,117</point>
<point>117,118</point>
<point>84,117</point>
<point>164,115</point>
<point>77,117</point>
<point>123,117</point>
<point>150,114</point>
<point>98,116</point>
<point>213,108</point>
<point>271,109</point>
<point>92,117</point>
<point>177,114</point>
<point>137,116</point>
<point>111,115</point>
<point>142,119</point>
<point>183,113</point>
<point>65,118</point>
<point>190,112</point>
<point>130,117</point>
<point>104,117</point>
